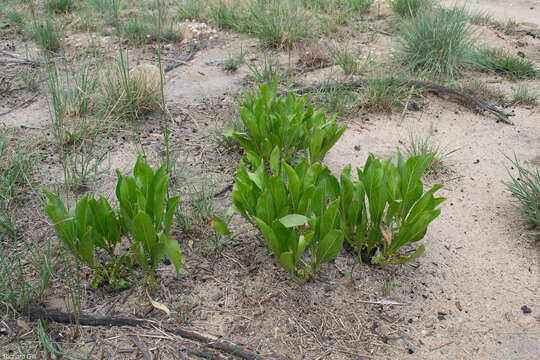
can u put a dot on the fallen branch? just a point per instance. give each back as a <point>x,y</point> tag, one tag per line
<point>143,350</point>
<point>498,111</point>
<point>18,59</point>
<point>39,312</point>
<point>192,50</point>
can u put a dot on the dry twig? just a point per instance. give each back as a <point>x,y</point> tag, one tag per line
<point>193,49</point>
<point>39,312</point>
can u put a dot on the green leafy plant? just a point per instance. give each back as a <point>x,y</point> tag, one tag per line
<point>292,209</point>
<point>288,124</point>
<point>92,226</point>
<point>387,208</point>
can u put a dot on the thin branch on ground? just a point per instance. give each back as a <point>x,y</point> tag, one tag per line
<point>18,59</point>
<point>193,49</point>
<point>38,312</point>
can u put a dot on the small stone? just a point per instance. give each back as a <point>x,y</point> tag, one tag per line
<point>410,351</point>
<point>526,309</point>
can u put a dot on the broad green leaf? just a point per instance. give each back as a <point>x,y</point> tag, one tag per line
<point>265,207</point>
<point>81,216</point>
<point>172,203</point>
<point>271,238</point>
<point>143,231</point>
<point>220,226</point>
<point>286,260</point>
<point>65,226</point>
<point>86,247</point>
<point>294,185</point>
<point>171,249</point>
<point>329,246</point>
<point>293,220</point>
<point>143,174</point>
<point>275,161</point>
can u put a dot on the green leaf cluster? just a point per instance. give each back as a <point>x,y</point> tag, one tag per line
<point>293,210</point>
<point>304,207</point>
<point>387,208</point>
<point>288,124</point>
<point>145,216</point>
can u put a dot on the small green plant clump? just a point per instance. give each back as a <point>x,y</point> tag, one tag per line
<point>525,187</point>
<point>290,206</point>
<point>521,94</point>
<point>288,124</point>
<point>500,61</point>
<point>387,208</point>
<point>409,8</point>
<point>420,146</point>
<point>59,6</point>
<point>48,35</point>
<point>92,230</point>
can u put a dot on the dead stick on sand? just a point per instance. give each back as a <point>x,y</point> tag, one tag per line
<point>502,114</point>
<point>193,49</point>
<point>39,312</point>
<point>440,346</point>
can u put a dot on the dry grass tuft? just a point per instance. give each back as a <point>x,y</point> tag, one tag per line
<point>130,94</point>
<point>312,54</point>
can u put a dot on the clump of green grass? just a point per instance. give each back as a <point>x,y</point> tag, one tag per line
<point>191,9</point>
<point>48,35</point>
<point>59,6</point>
<point>16,161</point>
<point>17,20</point>
<point>29,81</point>
<point>421,146</point>
<point>226,14</point>
<point>135,31</point>
<point>361,6</point>
<point>346,59</point>
<point>383,94</point>
<point>522,95</point>
<point>409,8</point>
<point>525,187</point>
<point>234,61</point>
<point>500,61</point>
<point>479,17</point>
<point>107,9</point>
<point>277,24</point>
<point>437,43</point>
<point>336,100</point>
<point>510,27</point>
<point>265,71</point>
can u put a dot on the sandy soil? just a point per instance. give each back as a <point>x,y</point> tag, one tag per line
<point>461,300</point>
<point>518,10</point>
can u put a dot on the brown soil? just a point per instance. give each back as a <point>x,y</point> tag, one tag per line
<point>461,300</point>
